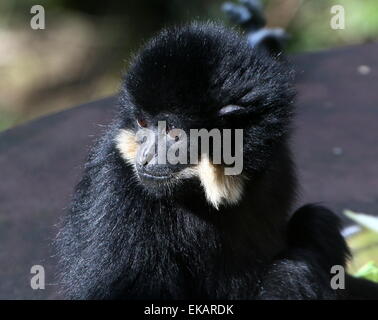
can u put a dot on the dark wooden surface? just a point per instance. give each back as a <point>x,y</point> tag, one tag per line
<point>336,149</point>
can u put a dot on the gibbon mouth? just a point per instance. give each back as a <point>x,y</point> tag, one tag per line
<point>145,175</point>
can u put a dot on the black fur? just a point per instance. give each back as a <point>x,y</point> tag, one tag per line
<point>121,241</point>
<point>315,245</point>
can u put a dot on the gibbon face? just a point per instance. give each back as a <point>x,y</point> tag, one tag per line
<point>192,78</point>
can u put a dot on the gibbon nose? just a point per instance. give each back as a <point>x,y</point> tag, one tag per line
<point>148,164</point>
<point>152,159</point>
<point>145,155</point>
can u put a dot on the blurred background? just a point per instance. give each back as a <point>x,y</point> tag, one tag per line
<point>86,45</point>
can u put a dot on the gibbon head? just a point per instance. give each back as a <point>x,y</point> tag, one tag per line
<point>202,76</point>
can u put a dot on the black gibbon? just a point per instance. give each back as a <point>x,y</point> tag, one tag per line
<point>139,229</point>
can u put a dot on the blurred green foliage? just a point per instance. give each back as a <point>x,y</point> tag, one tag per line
<point>5,120</point>
<point>310,28</point>
<point>369,271</point>
<point>364,246</point>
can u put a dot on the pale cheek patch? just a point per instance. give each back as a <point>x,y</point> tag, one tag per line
<point>127,145</point>
<point>219,188</point>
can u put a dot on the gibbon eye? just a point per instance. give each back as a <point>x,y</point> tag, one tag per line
<point>174,133</point>
<point>229,109</point>
<point>142,122</point>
